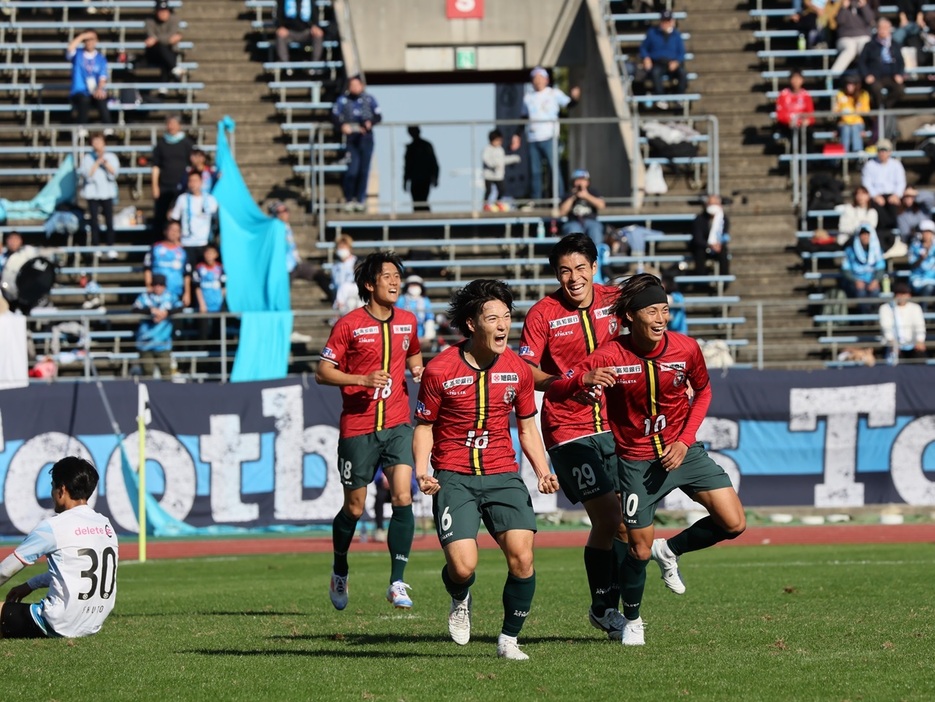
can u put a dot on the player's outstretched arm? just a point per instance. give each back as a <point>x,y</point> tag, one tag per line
<point>531,443</point>
<point>10,566</point>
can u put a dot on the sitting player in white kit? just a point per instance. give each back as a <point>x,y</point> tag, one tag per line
<point>81,547</point>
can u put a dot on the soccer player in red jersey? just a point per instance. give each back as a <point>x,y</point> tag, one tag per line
<point>645,376</point>
<point>560,330</point>
<point>366,356</point>
<point>463,424</point>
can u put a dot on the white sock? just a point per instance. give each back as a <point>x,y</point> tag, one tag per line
<point>503,639</point>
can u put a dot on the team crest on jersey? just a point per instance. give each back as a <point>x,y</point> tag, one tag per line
<point>366,331</point>
<point>455,382</point>
<point>327,352</point>
<point>509,395</point>
<point>402,329</point>
<point>525,351</point>
<point>504,378</point>
<point>612,326</point>
<point>679,378</point>
<point>563,322</point>
<point>405,343</point>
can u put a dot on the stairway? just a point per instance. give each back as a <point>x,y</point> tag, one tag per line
<point>235,85</point>
<point>762,221</point>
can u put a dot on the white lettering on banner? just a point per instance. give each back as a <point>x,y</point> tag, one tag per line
<point>225,449</point>
<point>293,441</point>
<point>842,408</point>
<point>906,462</point>
<point>719,435</point>
<point>26,468</point>
<point>178,471</point>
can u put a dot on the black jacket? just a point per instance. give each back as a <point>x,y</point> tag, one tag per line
<point>870,62</point>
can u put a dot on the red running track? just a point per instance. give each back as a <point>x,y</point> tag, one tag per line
<point>754,536</point>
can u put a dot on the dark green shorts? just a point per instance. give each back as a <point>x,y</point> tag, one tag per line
<point>587,467</point>
<point>646,483</point>
<point>501,500</point>
<point>360,456</point>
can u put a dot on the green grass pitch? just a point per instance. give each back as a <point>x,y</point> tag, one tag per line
<point>841,623</point>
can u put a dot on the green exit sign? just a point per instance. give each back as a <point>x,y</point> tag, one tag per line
<point>466,58</point>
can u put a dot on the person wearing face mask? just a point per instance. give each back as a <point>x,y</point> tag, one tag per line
<point>343,284</point>
<point>662,54</point>
<point>415,301</point>
<point>710,237</point>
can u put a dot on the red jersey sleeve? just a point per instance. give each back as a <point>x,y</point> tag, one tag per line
<point>534,339</point>
<point>335,348</point>
<point>429,401</point>
<point>525,402</point>
<point>573,383</point>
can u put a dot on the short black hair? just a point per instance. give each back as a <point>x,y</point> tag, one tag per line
<point>467,302</point>
<point>629,289</point>
<point>795,72</point>
<point>368,270</point>
<point>76,475</point>
<point>494,134</point>
<point>573,244</point>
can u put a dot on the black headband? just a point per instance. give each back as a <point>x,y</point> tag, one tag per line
<point>652,295</point>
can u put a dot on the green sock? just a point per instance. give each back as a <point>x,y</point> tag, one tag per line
<point>632,585</point>
<point>621,549</point>
<point>342,533</point>
<point>457,590</point>
<point>399,540</point>
<point>599,566</point>
<point>702,534</point>
<point>517,601</point>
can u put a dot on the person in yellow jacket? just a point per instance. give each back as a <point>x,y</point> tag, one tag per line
<point>852,102</point>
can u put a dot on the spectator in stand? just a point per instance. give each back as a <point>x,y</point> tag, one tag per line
<point>662,54</point>
<point>852,102</point>
<point>582,207</point>
<point>162,40</point>
<point>355,113</point>
<point>420,170</point>
<point>881,66</point>
<point>911,21</point>
<point>12,242</point>
<point>98,171</point>
<point>855,20</point>
<point>297,21</point>
<point>541,107</point>
<point>296,266</point>
<point>916,208</point>
<point>209,281</point>
<point>863,267</point>
<point>154,335</point>
<point>885,179</point>
<point>415,300</point>
<point>859,211</point>
<point>343,281</point>
<point>710,237</point>
<point>199,163</point>
<point>195,211</point>
<point>495,160</point>
<point>168,259</point>
<point>89,74</point>
<point>902,325</point>
<point>794,106</point>
<point>922,261</point>
<point>170,159</point>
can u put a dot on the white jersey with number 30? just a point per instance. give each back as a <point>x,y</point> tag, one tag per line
<point>82,550</point>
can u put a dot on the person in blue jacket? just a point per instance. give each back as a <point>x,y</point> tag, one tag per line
<point>154,335</point>
<point>88,78</point>
<point>864,267</point>
<point>662,53</point>
<point>356,113</point>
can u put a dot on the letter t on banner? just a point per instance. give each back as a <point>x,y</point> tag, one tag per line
<point>144,417</point>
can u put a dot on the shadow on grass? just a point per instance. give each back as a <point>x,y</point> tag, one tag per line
<point>335,653</point>
<point>381,639</point>
<point>241,613</point>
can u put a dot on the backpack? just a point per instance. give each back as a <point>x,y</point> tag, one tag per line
<point>825,192</point>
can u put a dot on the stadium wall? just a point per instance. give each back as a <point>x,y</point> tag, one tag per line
<point>262,455</point>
